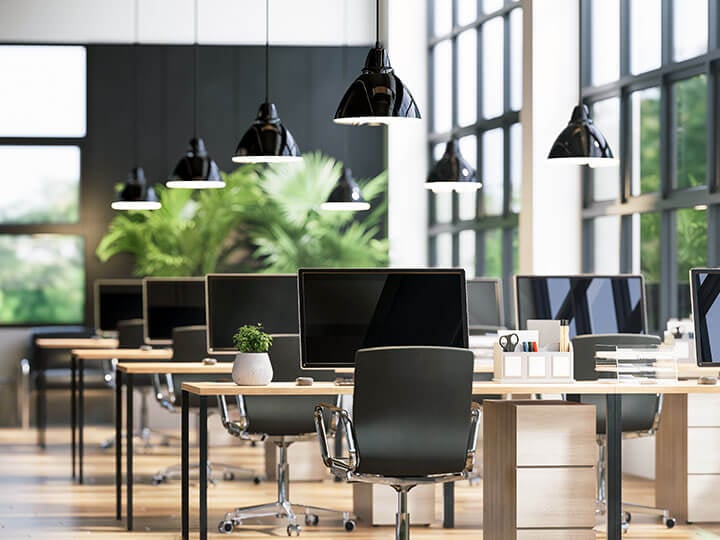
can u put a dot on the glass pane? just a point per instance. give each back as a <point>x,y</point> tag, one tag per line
<point>442,87</point>
<point>467,77</point>
<point>650,266</point>
<point>489,5</point>
<point>645,141</point>
<point>468,200</point>
<point>467,252</point>
<point>42,184</point>
<point>443,243</point>
<point>606,180</point>
<point>443,17</point>
<point>47,94</point>
<point>691,252</point>
<point>689,126</point>
<point>492,67</point>
<point>493,253</point>
<point>492,172</point>
<point>516,59</point>
<point>690,28</point>
<point>645,24</point>
<point>606,245</point>
<point>42,279</point>
<point>467,11</point>
<point>515,167</point>
<point>605,46</point>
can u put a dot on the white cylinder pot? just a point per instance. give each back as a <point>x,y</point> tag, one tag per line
<point>252,369</point>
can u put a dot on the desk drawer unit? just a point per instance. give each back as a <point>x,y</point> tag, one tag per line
<point>539,470</point>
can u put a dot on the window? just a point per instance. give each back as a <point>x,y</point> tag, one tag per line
<point>475,53</point>
<point>650,97</point>
<point>42,130</point>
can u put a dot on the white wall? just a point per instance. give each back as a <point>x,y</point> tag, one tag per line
<point>292,22</point>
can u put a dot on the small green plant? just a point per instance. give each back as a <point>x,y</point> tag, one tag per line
<point>252,339</point>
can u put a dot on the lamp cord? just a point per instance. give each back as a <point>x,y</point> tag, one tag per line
<point>196,54</point>
<point>267,51</point>
<point>343,74</point>
<point>136,86</point>
<point>580,53</point>
<point>377,24</point>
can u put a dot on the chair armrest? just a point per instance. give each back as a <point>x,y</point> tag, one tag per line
<point>163,394</point>
<point>336,464</point>
<point>237,428</point>
<point>475,412</point>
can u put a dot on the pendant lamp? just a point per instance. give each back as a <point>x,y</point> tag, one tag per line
<point>581,142</point>
<point>196,169</point>
<point>267,140</point>
<point>135,194</point>
<point>378,96</point>
<point>452,172</point>
<point>346,194</point>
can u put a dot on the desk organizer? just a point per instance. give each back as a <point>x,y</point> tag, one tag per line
<point>543,366</point>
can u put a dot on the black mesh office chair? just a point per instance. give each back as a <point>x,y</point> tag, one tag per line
<point>414,421</point>
<point>640,413</point>
<point>190,345</point>
<point>280,420</point>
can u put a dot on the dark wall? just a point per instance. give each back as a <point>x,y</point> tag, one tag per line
<point>306,84</point>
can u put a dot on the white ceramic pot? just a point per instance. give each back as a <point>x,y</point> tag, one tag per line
<point>252,369</point>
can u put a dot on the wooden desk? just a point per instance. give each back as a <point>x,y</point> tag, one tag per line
<point>611,390</point>
<point>77,388</point>
<point>67,344</point>
<point>128,370</point>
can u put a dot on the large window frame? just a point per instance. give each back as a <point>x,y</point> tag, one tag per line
<point>507,221</point>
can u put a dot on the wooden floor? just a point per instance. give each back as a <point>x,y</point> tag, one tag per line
<point>38,500</point>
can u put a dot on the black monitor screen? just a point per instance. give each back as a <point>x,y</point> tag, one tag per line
<point>342,311</point>
<point>234,300</point>
<point>592,304</point>
<point>484,303</point>
<point>169,303</point>
<point>705,284</point>
<point>117,300</point>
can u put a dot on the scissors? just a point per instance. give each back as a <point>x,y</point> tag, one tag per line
<point>508,342</point>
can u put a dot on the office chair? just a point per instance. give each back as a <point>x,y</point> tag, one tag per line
<point>280,420</point>
<point>414,421</point>
<point>189,345</point>
<point>640,413</point>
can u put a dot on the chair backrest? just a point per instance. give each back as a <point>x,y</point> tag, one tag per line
<point>130,334</point>
<point>190,345</point>
<point>639,412</point>
<point>53,358</point>
<point>411,409</point>
<point>286,415</point>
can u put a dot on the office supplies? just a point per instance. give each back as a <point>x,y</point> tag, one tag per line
<point>343,310</point>
<point>564,335</point>
<point>116,300</point>
<point>508,342</point>
<point>485,305</point>
<point>707,379</point>
<point>209,361</point>
<point>535,346</point>
<point>169,303</point>
<point>304,381</point>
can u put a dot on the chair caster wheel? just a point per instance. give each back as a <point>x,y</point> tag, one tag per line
<point>293,530</point>
<point>228,476</point>
<point>157,480</point>
<point>350,525</point>
<point>627,517</point>
<point>226,526</point>
<point>257,480</point>
<point>625,527</point>
<point>311,519</point>
<point>338,479</point>
<point>670,523</point>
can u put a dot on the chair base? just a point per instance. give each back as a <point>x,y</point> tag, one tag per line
<point>630,508</point>
<point>229,473</point>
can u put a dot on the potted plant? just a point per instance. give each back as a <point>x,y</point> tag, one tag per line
<point>252,362</point>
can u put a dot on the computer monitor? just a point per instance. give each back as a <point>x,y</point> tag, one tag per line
<point>234,300</point>
<point>343,310</point>
<point>704,291</point>
<point>116,300</point>
<point>485,306</point>
<point>592,304</point>
<point>169,303</point>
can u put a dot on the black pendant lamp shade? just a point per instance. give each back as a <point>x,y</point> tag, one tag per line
<point>196,169</point>
<point>377,96</point>
<point>267,140</point>
<point>581,142</point>
<point>346,194</point>
<point>136,194</point>
<point>452,172</point>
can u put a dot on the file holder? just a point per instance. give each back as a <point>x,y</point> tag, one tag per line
<point>532,367</point>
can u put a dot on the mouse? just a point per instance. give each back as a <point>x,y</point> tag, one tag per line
<point>707,379</point>
<point>209,361</point>
<point>304,381</point>
<point>145,348</point>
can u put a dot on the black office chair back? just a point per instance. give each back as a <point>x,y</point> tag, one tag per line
<point>286,415</point>
<point>190,345</point>
<point>42,359</point>
<point>412,410</point>
<point>130,334</point>
<point>638,411</point>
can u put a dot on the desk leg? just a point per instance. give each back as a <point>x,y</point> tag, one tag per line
<point>81,418</point>
<point>203,467</point>
<point>118,442</point>
<point>73,411</point>
<point>129,449</point>
<point>185,467</point>
<point>449,505</point>
<point>614,466</point>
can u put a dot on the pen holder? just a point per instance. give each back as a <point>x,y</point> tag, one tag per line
<point>540,367</point>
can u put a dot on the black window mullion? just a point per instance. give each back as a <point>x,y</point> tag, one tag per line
<point>588,246</point>
<point>625,37</point>
<point>668,266</point>
<point>666,36</point>
<point>626,244</point>
<point>507,267</point>
<point>713,240</point>
<point>713,129</point>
